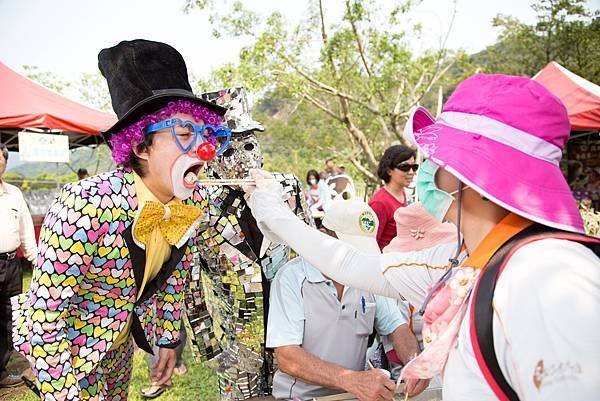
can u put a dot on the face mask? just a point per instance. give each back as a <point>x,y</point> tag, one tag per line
<point>312,181</point>
<point>242,154</point>
<point>434,200</point>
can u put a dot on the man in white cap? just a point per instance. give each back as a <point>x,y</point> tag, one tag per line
<point>320,329</point>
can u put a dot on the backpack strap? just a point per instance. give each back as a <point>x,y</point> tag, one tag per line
<point>481,324</point>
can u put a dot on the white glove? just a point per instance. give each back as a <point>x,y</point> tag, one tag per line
<point>263,180</point>
<point>265,199</point>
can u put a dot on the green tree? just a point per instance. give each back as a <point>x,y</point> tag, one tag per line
<point>358,73</point>
<point>93,91</point>
<point>564,32</point>
<point>46,78</point>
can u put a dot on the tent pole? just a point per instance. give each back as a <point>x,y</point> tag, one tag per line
<point>57,178</point>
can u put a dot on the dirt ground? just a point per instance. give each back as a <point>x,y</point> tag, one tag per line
<point>16,365</point>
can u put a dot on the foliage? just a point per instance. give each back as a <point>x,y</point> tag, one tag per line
<point>565,32</point>
<point>358,73</point>
<point>93,91</point>
<point>298,138</point>
<point>46,78</point>
<point>90,88</point>
<point>39,175</point>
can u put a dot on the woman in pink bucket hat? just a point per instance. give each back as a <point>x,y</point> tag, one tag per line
<point>518,319</point>
<point>416,230</point>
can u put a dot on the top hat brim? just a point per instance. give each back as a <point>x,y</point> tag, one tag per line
<point>154,103</point>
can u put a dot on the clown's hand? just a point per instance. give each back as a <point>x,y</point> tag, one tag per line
<point>265,198</point>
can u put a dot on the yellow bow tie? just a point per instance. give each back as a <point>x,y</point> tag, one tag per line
<point>174,221</point>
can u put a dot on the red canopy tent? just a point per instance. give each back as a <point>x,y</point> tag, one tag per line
<point>581,163</point>
<point>25,104</point>
<point>580,96</point>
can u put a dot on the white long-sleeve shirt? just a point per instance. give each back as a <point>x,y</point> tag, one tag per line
<point>546,324</point>
<point>16,225</point>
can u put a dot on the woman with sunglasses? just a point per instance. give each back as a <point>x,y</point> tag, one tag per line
<point>397,169</point>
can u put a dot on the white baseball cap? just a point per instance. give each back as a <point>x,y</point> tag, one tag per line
<point>355,223</point>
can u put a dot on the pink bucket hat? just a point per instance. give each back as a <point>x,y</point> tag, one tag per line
<point>418,230</point>
<point>503,136</point>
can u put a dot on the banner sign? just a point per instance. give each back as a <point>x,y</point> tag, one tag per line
<point>43,147</point>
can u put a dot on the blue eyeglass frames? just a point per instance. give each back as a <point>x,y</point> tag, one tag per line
<point>206,133</point>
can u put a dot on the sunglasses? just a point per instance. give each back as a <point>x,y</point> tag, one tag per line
<point>218,135</point>
<point>407,166</point>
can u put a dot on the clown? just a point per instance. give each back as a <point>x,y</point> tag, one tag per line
<point>115,249</point>
<point>517,319</point>
<point>228,300</point>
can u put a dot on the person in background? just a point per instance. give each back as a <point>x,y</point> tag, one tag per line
<point>342,169</point>
<point>397,169</point>
<point>16,230</point>
<point>330,169</point>
<point>82,174</point>
<point>320,329</point>
<point>316,195</point>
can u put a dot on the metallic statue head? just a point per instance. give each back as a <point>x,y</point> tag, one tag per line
<point>242,154</point>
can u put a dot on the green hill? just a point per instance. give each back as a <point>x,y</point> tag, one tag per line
<point>95,160</point>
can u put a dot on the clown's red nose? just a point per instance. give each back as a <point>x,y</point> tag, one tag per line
<point>206,151</point>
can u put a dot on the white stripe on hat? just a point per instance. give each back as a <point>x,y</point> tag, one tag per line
<point>503,133</point>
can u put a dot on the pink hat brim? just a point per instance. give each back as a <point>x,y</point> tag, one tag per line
<point>530,187</point>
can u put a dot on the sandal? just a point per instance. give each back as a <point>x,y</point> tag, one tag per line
<point>180,370</point>
<point>154,391</point>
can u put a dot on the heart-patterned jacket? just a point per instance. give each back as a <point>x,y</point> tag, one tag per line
<point>85,285</point>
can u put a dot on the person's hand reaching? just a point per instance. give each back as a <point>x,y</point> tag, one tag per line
<point>263,180</point>
<point>265,199</point>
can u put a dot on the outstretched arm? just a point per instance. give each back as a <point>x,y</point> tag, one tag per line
<point>331,256</point>
<point>334,258</point>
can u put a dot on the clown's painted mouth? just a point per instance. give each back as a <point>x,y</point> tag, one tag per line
<point>190,175</point>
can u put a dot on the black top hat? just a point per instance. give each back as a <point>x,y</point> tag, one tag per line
<point>143,76</point>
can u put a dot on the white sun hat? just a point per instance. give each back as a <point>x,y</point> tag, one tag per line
<point>355,223</point>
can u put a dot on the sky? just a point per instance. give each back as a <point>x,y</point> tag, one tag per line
<point>64,36</point>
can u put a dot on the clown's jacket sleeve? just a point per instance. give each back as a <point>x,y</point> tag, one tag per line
<point>170,298</point>
<point>68,243</point>
<point>169,304</point>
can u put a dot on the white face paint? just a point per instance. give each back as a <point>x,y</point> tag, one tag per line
<point>184,174</point>
<point>242,154</point>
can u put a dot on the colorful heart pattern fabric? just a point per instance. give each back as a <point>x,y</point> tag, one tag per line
<point>83,291</point>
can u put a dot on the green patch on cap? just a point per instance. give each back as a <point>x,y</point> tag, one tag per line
<point>366,222</point>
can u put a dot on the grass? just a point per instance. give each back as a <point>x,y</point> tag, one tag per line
<point>200,383</point>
